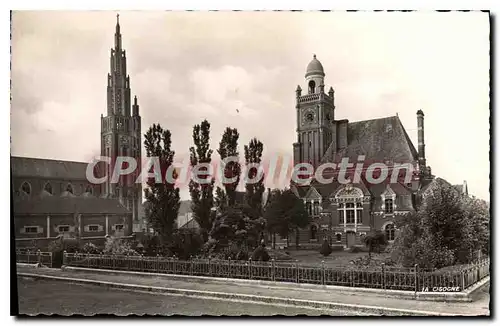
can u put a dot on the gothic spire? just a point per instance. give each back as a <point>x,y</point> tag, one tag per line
<point>118,36</point>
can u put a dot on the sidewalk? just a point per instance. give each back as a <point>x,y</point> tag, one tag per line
<point>266,293</point>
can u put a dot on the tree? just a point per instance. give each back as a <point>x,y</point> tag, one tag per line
<point>228,148</point>
<point>325,249</point>
<point>444,231</point>
<point>374,240</point>
<point>163,199</point>
<point>285,212</point>
<point>254,190</point>
<point>202,196</point>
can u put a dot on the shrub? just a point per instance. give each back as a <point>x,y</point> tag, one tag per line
<point>325,249</point>
<point>90,248</point>
<point>117,246</point>
<point>260,254</point>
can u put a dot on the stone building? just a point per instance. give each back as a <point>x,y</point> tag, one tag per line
<point>54,197</point>
<point>343,212</point>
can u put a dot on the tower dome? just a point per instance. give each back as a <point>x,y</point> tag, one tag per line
<point>315,68</point>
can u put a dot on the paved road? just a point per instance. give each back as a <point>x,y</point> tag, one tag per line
<point>48,297</point>
<point>480,307</point>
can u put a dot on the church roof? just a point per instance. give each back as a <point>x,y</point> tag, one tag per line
<point>50,169</point>
<point>69,205</point>
<point>380,140</point>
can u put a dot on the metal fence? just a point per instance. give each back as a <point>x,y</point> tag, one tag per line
<point>34,257</point>
<point>406,279</point>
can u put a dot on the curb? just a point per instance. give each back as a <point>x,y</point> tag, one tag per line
<point>241,297</point>
<point>465,296</point>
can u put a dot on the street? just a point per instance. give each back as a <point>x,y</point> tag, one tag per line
<point>55,297</point>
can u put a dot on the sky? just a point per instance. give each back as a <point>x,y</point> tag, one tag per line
<point>241,69</point>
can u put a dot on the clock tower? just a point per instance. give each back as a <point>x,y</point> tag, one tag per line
<point>121,131</point>
<point>315,117</point>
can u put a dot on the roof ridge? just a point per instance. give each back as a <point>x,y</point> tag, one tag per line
<point>46,159</point>
<point>381,118</point>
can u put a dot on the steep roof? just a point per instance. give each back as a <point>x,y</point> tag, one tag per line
<point>50,169</point>
<point>380,140</point>
<point>69,205</point>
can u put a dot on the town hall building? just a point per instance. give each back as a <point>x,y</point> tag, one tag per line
<point>54,198</point>
<point>343,212</point>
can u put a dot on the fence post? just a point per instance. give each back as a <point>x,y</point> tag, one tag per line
<point>142,263</point>
<point>297,271</point>
<point>209,266</point>
<point>88,260</point>
<point>39,257</point>
<point>323,272</point>
<point>416,280</point>
<point>157,263</point>
<point>28,254</point>
<point>383,276</point>
<point>273,270</point>
<point>352,277</point>
<point>250,267</point>
<point>65,258</point>
<point>228,266</point>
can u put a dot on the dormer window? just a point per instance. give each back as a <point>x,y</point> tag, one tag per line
<point>389,206</point>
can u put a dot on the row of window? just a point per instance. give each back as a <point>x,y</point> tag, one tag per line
<point>65,228</point>
<point>313,209</point>
<point>26,188</point>
<point>389,233</point>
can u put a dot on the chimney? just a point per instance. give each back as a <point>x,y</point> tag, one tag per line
<point>421,143</point>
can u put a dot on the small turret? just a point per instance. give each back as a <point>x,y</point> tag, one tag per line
<point>135,107</point>
<point>298,91</point>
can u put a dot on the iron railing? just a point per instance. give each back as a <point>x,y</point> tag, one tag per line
<point>34,257</point>
<point>386,277</point>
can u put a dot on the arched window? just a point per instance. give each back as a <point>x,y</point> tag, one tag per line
<point>26,188</point>
<point>339,237</point>
<point>48,188</point>
<point>314,230</point>
<point>316,208</point>
<point>69,188</point>
<point>389,232</point>
<point>389,206</point>
<point>312,86</point>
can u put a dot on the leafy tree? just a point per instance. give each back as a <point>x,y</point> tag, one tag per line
<point>374,240</point>
<point>285,213</point>
<point>325,249</point>
<point>228,148</point>
<point>163,197</point>
<point>254,190</point>
<point>202,196</point>
<point>444,231</point>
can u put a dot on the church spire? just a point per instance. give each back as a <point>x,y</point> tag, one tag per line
<point>118,35</point>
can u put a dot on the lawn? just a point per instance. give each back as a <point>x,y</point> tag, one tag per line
<point>335,259</point>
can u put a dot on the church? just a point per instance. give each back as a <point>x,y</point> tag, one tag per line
<point>343,212</point>
<point>53,198</point>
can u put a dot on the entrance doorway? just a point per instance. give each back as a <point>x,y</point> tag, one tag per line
<point>350,239</point>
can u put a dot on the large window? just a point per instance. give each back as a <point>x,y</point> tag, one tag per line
<point>63,228</point>
<point>316,208</point>
<point>349,213</point>
<point>359,213</point>
<point>31,229</point>
<point>341,213</point>
<point>389,206</point>
<point>389,232</point>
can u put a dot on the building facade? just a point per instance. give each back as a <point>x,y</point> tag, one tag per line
<point>344,211</point>
<point>54,198</point>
